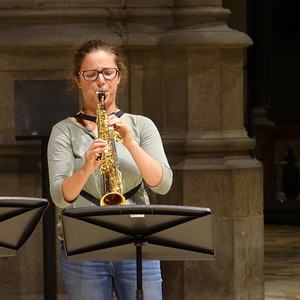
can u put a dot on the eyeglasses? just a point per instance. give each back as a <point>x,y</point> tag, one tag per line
<point>92,75</point>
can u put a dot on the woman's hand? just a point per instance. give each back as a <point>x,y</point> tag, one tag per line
<point>93,154</point>
<point>122,127</point>
<point>72,185</point>
<point>150,169</point>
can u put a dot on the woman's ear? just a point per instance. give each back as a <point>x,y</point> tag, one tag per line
<point>77,80</point>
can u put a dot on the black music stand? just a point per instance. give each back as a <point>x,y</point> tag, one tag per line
<point>165,232</point>
<point>19,217</point>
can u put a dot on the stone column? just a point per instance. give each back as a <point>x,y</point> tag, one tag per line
<point>190,82</point>
<point>186,74</point>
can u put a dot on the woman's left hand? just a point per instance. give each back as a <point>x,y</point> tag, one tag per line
<point>122,127</point>
<point>150,169</point>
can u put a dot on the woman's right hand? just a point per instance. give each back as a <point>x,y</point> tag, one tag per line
<point>72,185</point>
<point>92,161</point>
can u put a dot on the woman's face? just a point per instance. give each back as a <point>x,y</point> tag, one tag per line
<point>98,60</point>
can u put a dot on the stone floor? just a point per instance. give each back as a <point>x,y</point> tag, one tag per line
<point>282,262</point>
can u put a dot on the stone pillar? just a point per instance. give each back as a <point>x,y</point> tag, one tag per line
<point>186,73</point>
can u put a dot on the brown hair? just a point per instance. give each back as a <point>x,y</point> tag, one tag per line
<point>94,45</point>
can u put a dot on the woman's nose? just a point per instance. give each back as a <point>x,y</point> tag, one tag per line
<point>100,78</point>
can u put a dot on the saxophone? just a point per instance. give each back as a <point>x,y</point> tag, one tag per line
<point>109,169</point>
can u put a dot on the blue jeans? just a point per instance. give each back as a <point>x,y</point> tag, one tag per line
<point>96,280</point>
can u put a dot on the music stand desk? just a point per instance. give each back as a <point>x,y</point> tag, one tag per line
<point>128,232</point>
<point>19,217</point>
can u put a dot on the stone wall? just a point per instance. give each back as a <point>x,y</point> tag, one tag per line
<point>186,74</point>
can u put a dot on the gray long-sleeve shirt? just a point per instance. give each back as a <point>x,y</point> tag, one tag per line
<point>66,154</point>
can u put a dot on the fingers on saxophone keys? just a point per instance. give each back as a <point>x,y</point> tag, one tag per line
<point>99,157</point>
<point>98,153</point>
<point>98,148</point>
<point>99,145</point>
<point>113,121</point>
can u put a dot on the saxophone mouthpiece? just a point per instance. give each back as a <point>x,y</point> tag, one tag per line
<point>101,95</point>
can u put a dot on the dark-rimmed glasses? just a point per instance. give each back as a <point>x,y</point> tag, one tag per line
<point>107,73</point>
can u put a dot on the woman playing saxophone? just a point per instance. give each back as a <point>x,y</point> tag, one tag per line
<point>73,159</point>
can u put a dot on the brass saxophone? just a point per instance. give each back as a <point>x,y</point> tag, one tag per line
<point>112,176</point>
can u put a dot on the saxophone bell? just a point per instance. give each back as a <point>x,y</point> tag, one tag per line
<point>112,198</point>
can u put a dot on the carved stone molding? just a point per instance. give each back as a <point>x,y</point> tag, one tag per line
<point>129,26</point>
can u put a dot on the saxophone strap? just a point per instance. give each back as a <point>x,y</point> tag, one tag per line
<point>92,118</point>
<point>96,201</point>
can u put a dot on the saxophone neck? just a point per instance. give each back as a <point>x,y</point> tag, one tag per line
<point>101,98</point>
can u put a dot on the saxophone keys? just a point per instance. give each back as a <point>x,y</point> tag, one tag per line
<point>100,157</point>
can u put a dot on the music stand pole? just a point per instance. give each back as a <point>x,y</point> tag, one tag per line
<point>139,269</point>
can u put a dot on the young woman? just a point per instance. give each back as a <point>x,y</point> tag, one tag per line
<point>73,166</point>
